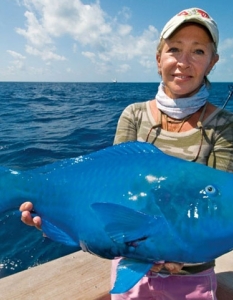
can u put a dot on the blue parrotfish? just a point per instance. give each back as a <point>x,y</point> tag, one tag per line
<point>129,200</point>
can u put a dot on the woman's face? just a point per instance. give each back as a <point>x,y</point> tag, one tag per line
<point>186,57</point>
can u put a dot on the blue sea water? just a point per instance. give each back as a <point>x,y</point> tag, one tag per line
<point>45,122</point>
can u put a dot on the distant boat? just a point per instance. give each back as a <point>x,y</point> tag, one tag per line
<point>114,80</point>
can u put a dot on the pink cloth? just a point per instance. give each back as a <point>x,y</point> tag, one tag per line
<point>200,286</point>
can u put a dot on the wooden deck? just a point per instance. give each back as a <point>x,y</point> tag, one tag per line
<point>81,276</point>
<point>78,276</point>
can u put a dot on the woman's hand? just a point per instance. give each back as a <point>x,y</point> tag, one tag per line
<point>173,267</point>
<point>26,217</point>
<point>170,266</point>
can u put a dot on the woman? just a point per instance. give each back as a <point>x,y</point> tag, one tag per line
<point>181,122</point>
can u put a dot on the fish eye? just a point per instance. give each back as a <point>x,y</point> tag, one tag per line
<point>210,190</point>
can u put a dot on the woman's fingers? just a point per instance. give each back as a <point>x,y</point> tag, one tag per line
<point>173,267</point>
<point>26,216</point>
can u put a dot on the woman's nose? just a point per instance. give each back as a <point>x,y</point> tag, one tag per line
<point>184,60</point>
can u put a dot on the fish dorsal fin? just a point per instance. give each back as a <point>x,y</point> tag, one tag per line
<point>127,148</point>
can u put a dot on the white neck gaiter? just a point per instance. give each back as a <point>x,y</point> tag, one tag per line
<point>181,107</point>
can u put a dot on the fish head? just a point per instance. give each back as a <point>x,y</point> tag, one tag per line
<point>192,187</point>
<point>185,203</point>
<point>194,198</point>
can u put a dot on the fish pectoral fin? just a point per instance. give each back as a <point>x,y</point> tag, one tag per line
<point>129,272</point>
<point>56,234</point>
<point>125,225</point>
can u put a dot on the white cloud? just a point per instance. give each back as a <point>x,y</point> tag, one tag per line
<point>102,68</point>
<point>123,68</point>
<point>103,39</point>
<point>129,46</point>
<point>124,14</point>
<point>89,55</point>
<point>16,55</point>
<point>17,63</point>
<point>226,44</point>
<point>45,54</point>
<point>225,51</point>
<point>124,30</point>
<point>36,34</point>
<point>75,48</point>
<point>148,62</point>
<point>84,23</point>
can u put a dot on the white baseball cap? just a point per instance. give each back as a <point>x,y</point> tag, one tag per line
<point>195,15</point>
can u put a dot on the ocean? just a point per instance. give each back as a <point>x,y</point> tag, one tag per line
<point>45,122</point>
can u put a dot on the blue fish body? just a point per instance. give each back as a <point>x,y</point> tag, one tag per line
<point>129,200</point>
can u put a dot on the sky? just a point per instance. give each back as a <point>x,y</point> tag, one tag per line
<point>97,41</point>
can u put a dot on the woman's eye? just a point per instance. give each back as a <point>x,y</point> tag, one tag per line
<point>173,50</point>
<point>199,52</point>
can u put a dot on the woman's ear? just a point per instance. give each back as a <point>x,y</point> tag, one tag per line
<point>214,60</point>
<point>158,60</point>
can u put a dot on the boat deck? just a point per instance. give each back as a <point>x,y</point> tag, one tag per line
<point>81,276</point>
